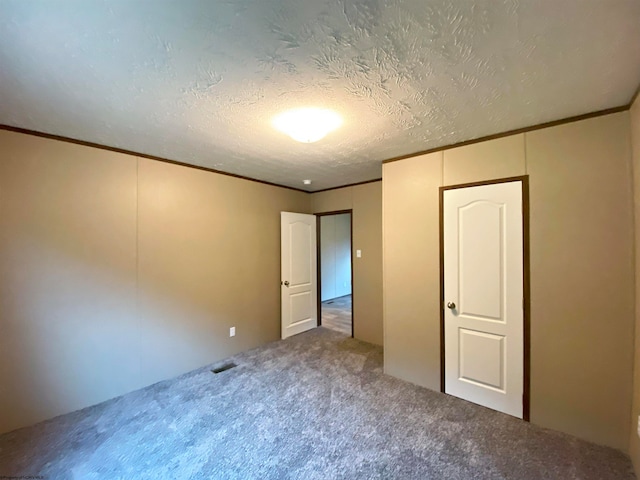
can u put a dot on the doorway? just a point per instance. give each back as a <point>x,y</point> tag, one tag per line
<point>484,294</point>
<point>335,271</point>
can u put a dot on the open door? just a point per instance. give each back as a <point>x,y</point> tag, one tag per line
<point>298,281</point>
<point>484,295</point>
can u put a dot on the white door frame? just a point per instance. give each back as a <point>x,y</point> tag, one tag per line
<point>525,258</point>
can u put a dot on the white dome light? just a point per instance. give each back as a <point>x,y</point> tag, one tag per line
<point>307,125</point>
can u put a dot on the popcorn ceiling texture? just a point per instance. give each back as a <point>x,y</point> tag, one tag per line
<point>199,81</point>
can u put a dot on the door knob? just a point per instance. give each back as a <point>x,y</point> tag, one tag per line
<point>285,283</point>
<point>451,305</point>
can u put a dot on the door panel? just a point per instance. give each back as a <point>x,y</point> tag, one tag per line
<point>301,306</point>
<point>480,233</point>
<point>482,359</point>
<point>483,295</point>
<point>298,273</point>
<point>300,260</point>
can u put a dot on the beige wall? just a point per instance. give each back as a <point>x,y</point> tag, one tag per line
<point>634,443</point>
<point>67,278</point>
<point>366,202</point>
<point>411,280</point>
<point>117,272</point>
<point>581,274</point>
<point>582,278</point>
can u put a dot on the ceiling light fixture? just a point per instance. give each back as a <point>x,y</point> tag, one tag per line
<point>306,182</point>
<point>307,125</point>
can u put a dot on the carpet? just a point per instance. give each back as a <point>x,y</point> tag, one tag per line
<point>314,406</point>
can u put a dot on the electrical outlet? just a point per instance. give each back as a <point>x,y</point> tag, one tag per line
<point>232,332</point>
<point>358,253</point>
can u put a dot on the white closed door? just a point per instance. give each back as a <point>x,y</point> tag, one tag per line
<point>298,283</point>
<point>484,295</point>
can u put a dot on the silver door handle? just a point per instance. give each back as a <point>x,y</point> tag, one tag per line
<point>285,283</point>
<point>451,305</point>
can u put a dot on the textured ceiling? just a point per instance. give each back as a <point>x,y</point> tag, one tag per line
<point>199,81</point>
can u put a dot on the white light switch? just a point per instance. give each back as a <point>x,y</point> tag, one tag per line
<point>232,332</point>
<point>359,253</point>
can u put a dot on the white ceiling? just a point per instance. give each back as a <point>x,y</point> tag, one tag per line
<point>198,81</point>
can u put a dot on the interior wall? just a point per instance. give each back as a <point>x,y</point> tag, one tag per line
<point>118,271</point>
<point>582,278</point>
<point>335,256</point>
<point>634,440</point>
<point>67,278</point>
<point>366,202</point>
<point>581,275</point>
<point>411,280</point>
